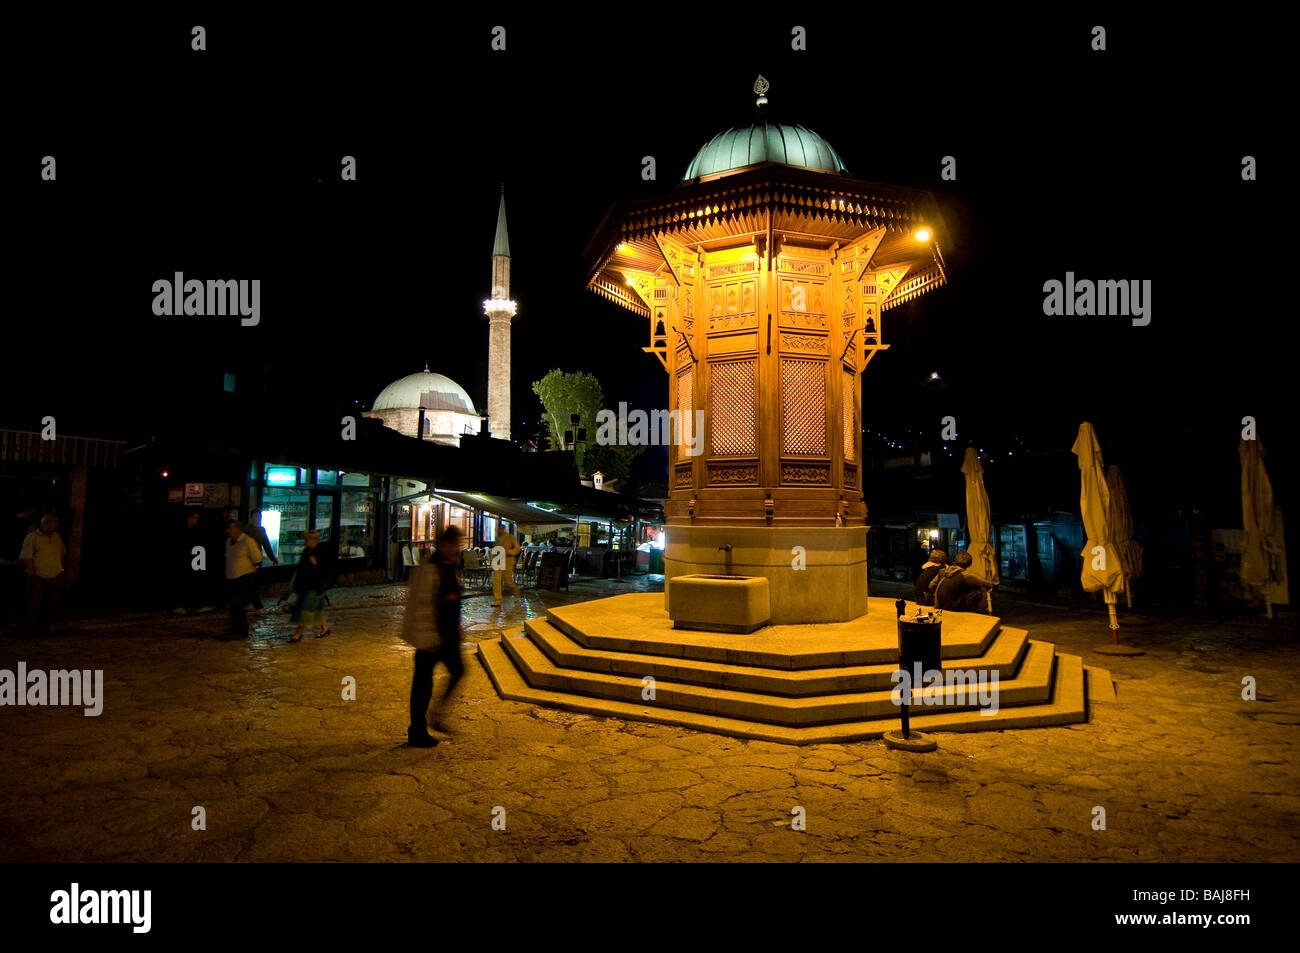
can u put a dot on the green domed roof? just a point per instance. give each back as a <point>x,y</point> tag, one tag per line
<point>739,148</point>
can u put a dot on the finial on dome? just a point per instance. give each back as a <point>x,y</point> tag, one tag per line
<point>426,367</point>
<point>761,86</point>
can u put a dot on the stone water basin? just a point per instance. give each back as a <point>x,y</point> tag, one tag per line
<point>719,603</point>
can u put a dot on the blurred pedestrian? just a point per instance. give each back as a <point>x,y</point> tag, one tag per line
<point>43,554</point>
<point>13,571</point>
<point>214,532</point>
<point>310,581</point>
<point>192,584</point>
<point>915,561</point>
<point>510,548</point>
<point>254,529</point>
<point>446,616</point>
<point>242,555</point>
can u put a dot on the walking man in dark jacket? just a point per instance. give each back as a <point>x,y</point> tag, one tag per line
<point>255,530</point>
<point>446,614</point>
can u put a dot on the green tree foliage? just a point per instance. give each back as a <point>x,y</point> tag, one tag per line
<point>580,393</point>
<point>564,394</point>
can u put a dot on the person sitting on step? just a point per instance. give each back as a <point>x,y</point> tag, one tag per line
<point>959,588</point>
<point>922,594</point>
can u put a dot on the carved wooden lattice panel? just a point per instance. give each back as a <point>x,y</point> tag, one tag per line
<point>803,406</point>
<point>686,404</point>
<point>732,413</point>
<point>850,414</point>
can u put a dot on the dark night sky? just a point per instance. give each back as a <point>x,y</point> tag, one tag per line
<point>1123,164</point>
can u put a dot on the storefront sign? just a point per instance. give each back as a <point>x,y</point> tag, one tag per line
<point>193,494</point>
<point>281,476</point>
<point>216,494</point>
<point>949,521</point>
<point>175,494</point>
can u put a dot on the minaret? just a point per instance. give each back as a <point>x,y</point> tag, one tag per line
<point>500,311</point>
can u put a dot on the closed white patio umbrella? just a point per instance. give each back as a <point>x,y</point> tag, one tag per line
<point>1121,525</point>
<point>1103,570</point>
<point>1259,555</point>
<point>979,522</point>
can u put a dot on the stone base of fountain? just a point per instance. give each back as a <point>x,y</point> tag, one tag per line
<point>815,574</point>
<point>714,602</point>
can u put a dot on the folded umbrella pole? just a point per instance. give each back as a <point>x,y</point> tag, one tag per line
<point>1103,567</point>
<point>1121,527</point>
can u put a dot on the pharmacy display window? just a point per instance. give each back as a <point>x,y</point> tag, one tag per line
<point>340,505</point>
<point>286,516</point>
<point>357,524</point>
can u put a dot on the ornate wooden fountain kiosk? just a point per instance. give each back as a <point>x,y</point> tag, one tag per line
<point>764,278</point>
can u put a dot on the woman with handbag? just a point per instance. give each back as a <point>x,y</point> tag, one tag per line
<point>437,584</point>
<point>310,581</point>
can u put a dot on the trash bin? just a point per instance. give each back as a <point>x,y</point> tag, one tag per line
<point>919,641</point>
<point>657,561</point>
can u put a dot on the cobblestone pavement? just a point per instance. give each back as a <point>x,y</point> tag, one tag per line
<point>257,733</point>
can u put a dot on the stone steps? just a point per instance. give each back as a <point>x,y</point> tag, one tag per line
<point>1003,656</point>
<point>795,684</point>
<point>1067,705</point>
<point>1032,685</point>
<point>637,623</point>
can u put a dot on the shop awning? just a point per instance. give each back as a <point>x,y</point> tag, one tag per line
<point>26,446</point>
<point>530,519</point>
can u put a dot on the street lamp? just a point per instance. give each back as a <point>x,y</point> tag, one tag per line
<point>570,441</point>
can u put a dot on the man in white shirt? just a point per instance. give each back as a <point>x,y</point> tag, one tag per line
<point>43,554</point>
<point>242,556</point>
<point>510,552</point>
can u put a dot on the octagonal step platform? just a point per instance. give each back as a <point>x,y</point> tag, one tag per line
<point>794,684</point>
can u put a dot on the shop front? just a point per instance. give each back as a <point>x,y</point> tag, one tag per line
<point>420,517</point>
<point>896,549</point>
<point>344,507</point>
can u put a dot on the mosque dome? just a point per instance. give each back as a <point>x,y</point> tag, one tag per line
<point>763,142</point>
<point>406,394</point>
